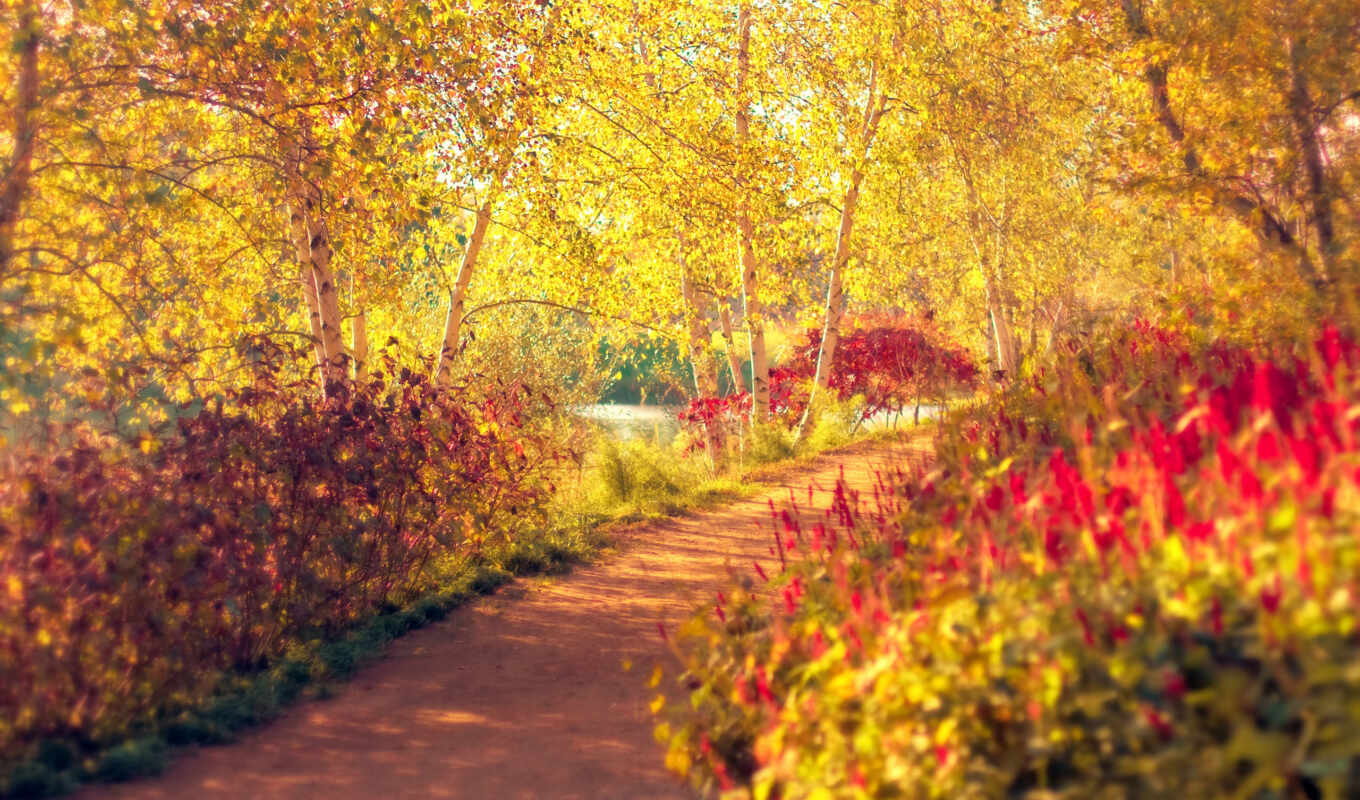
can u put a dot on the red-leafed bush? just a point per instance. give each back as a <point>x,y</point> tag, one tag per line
<point>1137,574</point>
<point>133,571</point>
<point>890,363</point>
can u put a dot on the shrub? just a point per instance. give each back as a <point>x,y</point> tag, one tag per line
<point>835,424</point>
<point>136,569</point>
<point>770,443</point>
<point>890,363</point>
<point>884,366</point>
<point>1136,574</point>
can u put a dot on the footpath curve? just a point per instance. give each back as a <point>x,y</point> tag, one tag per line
<point>523,694</point>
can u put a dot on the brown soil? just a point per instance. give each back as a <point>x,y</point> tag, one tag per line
<point>520,695</point>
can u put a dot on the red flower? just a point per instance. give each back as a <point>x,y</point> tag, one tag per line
<point>1159,723</point>
<point>1268,448</point>
<point>1270,597</point>
<point>1174,685</point>
<point>1200,531</point>
<point>1175,504</point>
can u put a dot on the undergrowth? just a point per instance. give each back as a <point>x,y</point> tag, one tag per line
<point>310,669</point>
<point>1134,575</point>
<point>618,481</point>
<point>639,479</point>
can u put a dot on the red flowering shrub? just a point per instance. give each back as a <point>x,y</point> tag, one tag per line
<point>1137,574</point>
<point>133,572</point>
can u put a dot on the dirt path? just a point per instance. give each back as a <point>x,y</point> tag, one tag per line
<point>520,695</point>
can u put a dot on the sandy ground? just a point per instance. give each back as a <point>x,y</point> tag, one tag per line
<point>519,695</point>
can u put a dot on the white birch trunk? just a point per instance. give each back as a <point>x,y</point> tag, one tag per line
<point>750,286</point>
<point>835,291</point>
<point>336,368</point>
<point>313,306</point>
<point>1003,335</point>
<point>307,227</point>
<point>453,323</point>
<point>700,352</point>
<point>301,231</point>
<point>701,359</point>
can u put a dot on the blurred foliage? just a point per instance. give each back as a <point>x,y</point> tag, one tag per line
<point>1134,574</point>
<point>645,371</point>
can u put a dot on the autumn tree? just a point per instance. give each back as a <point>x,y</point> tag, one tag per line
<point>1245,110</point>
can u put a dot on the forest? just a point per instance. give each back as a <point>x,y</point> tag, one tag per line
<point>306,309</point>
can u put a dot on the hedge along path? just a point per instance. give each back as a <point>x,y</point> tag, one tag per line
<point>523,694</point>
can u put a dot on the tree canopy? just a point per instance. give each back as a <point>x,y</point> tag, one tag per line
<point>181,178</point>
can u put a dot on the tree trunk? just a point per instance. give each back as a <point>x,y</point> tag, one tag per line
<point>454,321</point>
<point>19,171</point>
<point>835,291</point>
<point>755,329</point>
<point>297,227</point>
<point>701,359</point>
<point>318,290</point>
<point>307,226</point>
<point>1252,211</point>
<point>733,363</point>
<point>327,294</point>
<point>1006,356</point>
<point>750,286</point>
<point>1314,163</point>
<point>308,285</point>
<point>835,311</point>
<point>700,354</point>
<point>1002,340</point>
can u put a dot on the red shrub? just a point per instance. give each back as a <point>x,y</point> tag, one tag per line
<point>1129,567</point>
<point>133,571</point>
<point>890,363</point>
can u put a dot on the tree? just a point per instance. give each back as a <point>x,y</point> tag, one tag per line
<point>1250,98</point>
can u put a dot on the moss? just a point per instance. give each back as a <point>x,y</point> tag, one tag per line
<point>133,759</point>
<point>489,578</point>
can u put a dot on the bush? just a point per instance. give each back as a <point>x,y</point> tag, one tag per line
<point>136,569</point>
<point>640,475</point>
<point>1135,575</point>
<point>134,759</point>
<point>769,443</point>
<point>883,366</point>
<point>835,424</point>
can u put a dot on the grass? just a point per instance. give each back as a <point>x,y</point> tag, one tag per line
<point>636,480</point>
